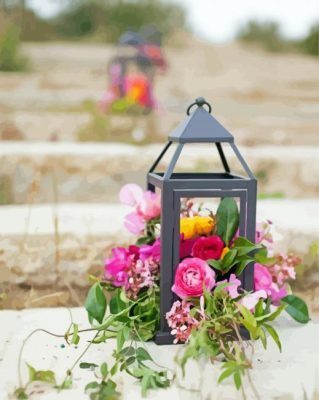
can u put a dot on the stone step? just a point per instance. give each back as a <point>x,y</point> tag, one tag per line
<point>91,172</point>
<point>45,352</point>
<point>36,253</point>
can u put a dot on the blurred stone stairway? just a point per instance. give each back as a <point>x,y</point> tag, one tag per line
<point>92,172</point>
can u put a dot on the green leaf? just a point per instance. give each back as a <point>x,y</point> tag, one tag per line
<point>229,259</point>
<point>91,385</point>
<point>273,333</point>
<point>43,376</point>
<point>259,309</point>
<point>215,264</point>
<point>130,361</point>
<point>261,256</point>
<point>66,384</point>
<point>263,338</point>
<point>95,303</point>
<point>46,376</point>
<point>254,331</point>
<point>225,374</point>
<point>242,265</point>
<point>237,379</point>
<point>104,370</point>
<point>245,246</point>
<point>296,308</point>
<point>143,355</point>
<point>120,340</point>
<point>127,351</point>
<point>75,336</point>
<point>20,394</point>
<point>227,219</point>
<point>32,372</point>
<point>248,316</point>
<point>86,365</point>
<point>117,304</point>
<point>271,316</point>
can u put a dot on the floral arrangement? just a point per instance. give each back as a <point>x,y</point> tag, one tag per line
<point>213,314</point>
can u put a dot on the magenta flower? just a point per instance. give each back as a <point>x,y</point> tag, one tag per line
<point>118,263</point>
<point>262,278</point>
<point>192,274</point>
<point>151,251</point>
<point>278,293</point>
<point>121,279</point>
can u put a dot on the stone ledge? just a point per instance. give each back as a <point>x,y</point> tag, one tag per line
<point>91,172</point>
<point>287,375</point>
<point>29,251</point>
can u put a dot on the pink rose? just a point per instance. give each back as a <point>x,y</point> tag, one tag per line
<point>262,278</point>
<point>207,248</point>
<point>192,274</point>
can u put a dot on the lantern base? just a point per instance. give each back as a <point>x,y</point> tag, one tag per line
<point>163,338</point>
<point>244,333</point>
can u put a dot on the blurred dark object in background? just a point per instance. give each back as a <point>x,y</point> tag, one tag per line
<point>132,72</point>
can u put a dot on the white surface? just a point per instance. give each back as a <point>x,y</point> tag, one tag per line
<point>287,375</point>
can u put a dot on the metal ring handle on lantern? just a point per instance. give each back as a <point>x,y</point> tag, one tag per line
<point>200,102</point>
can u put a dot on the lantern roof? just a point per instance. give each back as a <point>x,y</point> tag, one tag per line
<point>200,127</point>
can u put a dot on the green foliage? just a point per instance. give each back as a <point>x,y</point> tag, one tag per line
<point>95,303</point>
<point>41,376</point>
<point>310,44</point>
<point>227,219</point>
<point>107,20</point>
<point>266,34</point>
<point>238,257</point>
<point>21,394</point>
<point>296,308</point>
<point>10,57</point>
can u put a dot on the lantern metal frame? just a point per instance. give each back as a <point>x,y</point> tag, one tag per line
<point>199,127</point>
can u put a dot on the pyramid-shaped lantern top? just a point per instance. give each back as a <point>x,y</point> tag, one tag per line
<point>200,127</point>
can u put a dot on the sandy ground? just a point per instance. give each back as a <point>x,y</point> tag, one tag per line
<point>262,97</point>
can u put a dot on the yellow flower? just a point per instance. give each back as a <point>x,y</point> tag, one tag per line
<point>187,228</point>
<point>224,252</point>
<point>198,225</point>
<point>203,225</point>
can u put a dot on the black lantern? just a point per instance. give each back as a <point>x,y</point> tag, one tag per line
<point>199,127</point>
